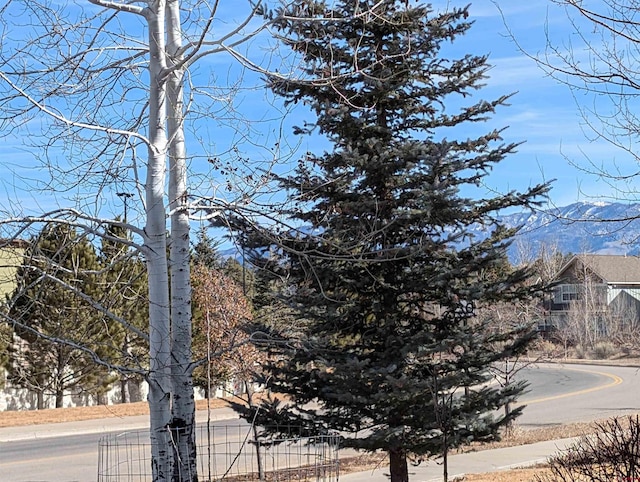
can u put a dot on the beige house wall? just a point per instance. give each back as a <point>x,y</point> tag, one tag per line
<point>10,260</point>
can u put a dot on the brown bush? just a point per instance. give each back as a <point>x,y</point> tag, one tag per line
<point>612,453</point>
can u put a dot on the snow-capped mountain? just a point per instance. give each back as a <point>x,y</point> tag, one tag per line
<point>599,227</point>
<point>602,228</point>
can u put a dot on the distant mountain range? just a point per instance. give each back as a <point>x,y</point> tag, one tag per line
<point>600,228</point>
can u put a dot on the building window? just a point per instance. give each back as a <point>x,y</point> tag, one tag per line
<point>565,293</point>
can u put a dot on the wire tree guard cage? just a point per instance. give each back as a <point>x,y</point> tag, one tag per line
<point>228,453</point>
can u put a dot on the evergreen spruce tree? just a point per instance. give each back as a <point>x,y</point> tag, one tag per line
<point>124,293</point>
<point>5,344</point>
<point>205,252</point>
<point>384,273</point>
<point>42,302</point>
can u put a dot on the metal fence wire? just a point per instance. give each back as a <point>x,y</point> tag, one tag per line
<point>234,453</point>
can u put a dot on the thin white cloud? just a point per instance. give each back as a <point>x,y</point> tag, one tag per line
<point>516,72</point>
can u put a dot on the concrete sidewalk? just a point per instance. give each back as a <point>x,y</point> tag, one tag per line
<point>471,463</point>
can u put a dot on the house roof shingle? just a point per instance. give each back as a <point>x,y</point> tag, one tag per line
<point>611,268</point>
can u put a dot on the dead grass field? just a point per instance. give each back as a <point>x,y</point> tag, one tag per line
<point>520,475</point>
<point>74,414</point>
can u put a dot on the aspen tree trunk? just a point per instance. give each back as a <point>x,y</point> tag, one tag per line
<point>159,317</point>
<point>183,408</point>
<point>95,99</point>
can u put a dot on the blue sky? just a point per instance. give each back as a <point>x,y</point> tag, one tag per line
<point>544,114</point>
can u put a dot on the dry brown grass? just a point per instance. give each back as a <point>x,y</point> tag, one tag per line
<point>517,475</point>
<point>74,414</point>
<point>519,436</point>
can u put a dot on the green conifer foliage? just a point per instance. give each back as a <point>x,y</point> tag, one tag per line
<point>384,266</point>
<point>5,343</point>
<point>58,266</point>
<point>124,293</point>
<point>205,251</point>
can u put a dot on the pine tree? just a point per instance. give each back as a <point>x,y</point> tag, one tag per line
<point>58,265</point>
<point>205,252</point>
<point>384,272</point>
<point>124,293</point>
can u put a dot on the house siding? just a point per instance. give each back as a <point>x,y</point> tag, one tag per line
<point>605,304</point>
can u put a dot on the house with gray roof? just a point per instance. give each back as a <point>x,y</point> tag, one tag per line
<point>603,288</point>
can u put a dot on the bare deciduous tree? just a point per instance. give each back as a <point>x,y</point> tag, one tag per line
<point>106,95</point>
<point>224,313</point>
<point>598,61</point>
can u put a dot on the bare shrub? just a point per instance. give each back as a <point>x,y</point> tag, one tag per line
<point>580,352</point>
<point>604,350</point>
<point>546,349</point>
<point>611,453</point>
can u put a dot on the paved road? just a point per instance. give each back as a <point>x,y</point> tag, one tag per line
<point>557,394</point>
<point>572,393</point>
<point>71,458</point>
<point>69,452</point>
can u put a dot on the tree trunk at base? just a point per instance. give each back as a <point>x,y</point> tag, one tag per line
<point>445,464</point>
<point>398,466</point>
<point>124,390</point>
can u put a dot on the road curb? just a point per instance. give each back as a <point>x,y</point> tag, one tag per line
<point>602,363</point>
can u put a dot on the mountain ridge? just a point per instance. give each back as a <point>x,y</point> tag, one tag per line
<point>581,227</point>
